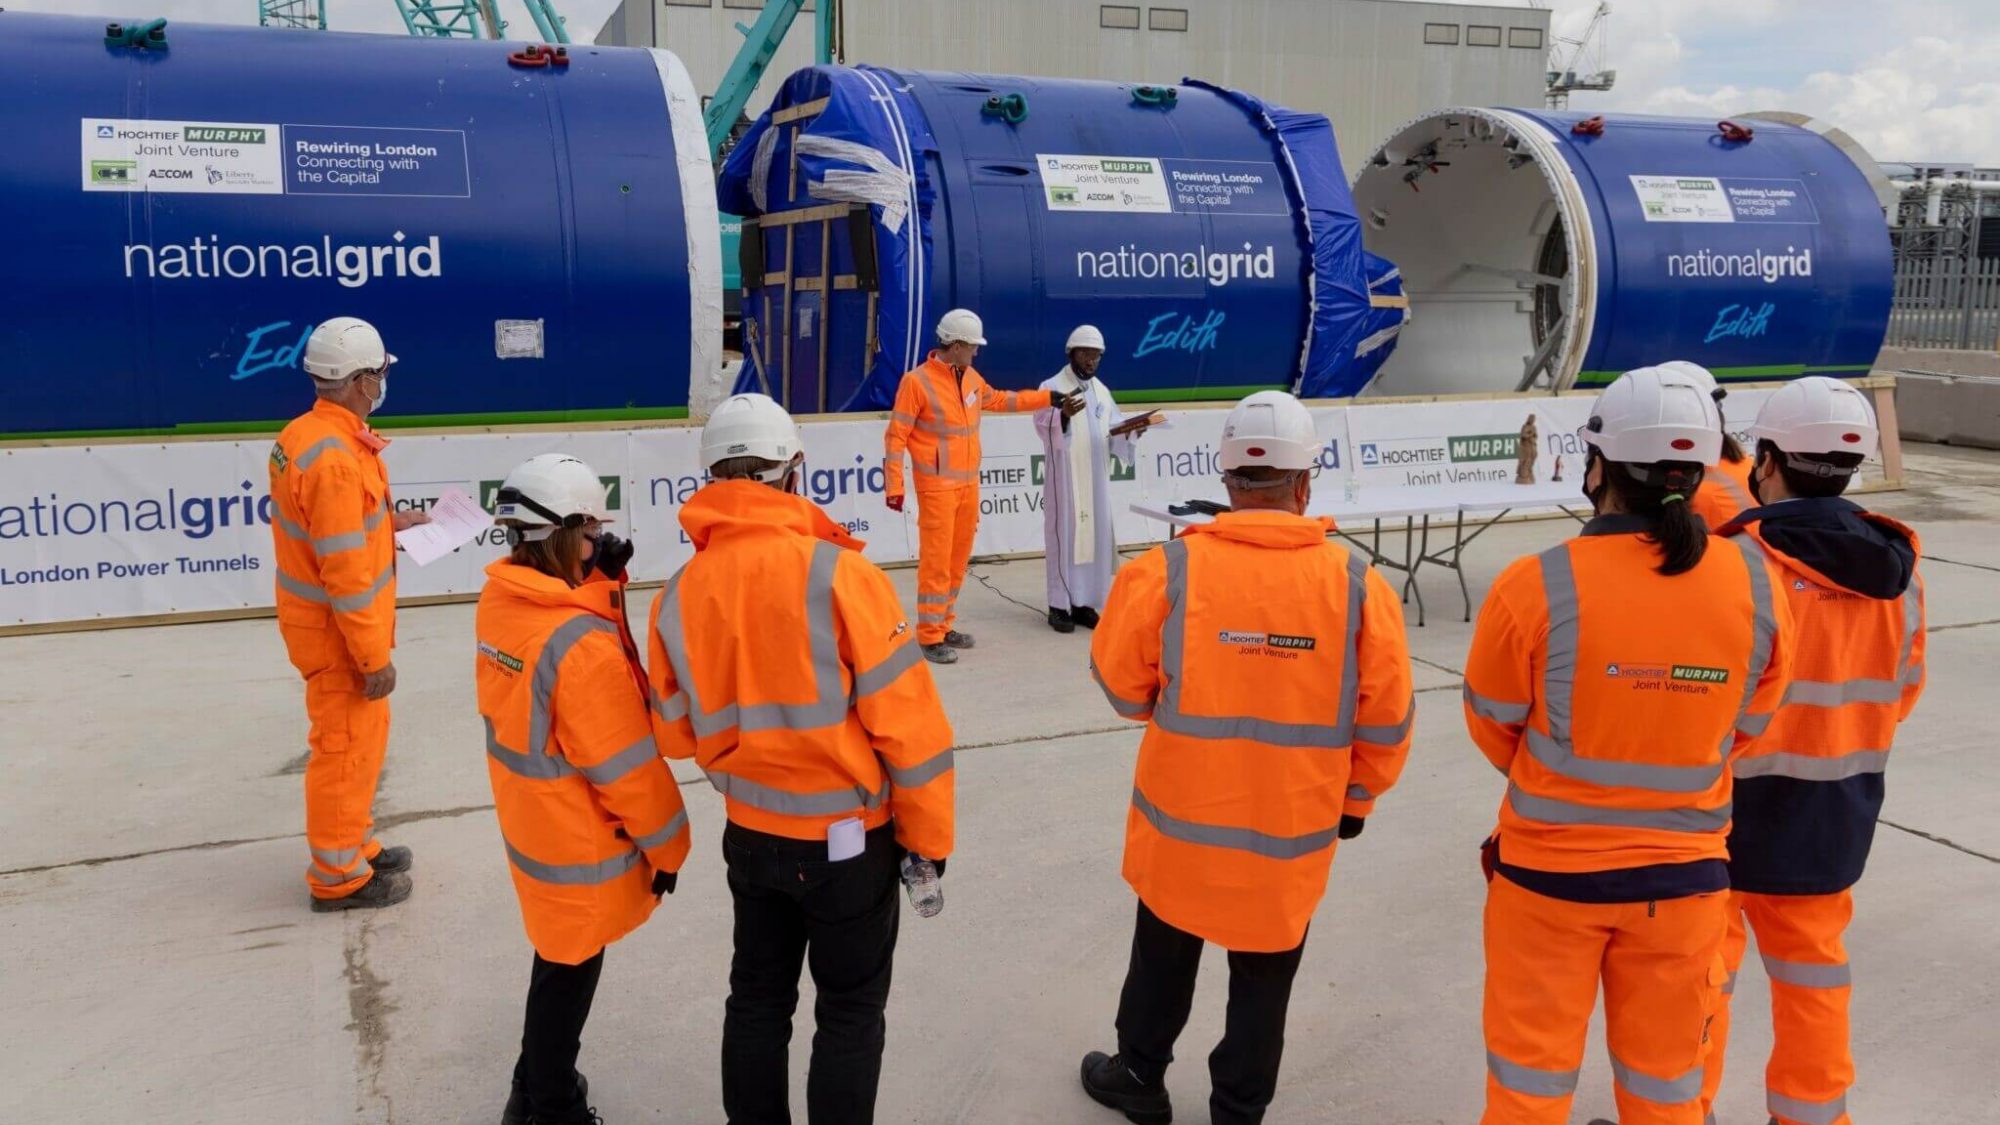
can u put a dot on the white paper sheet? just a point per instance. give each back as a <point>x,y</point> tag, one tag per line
<point>455,521</point>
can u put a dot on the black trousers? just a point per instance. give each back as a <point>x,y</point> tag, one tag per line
<point>559,999</point>
<point>840,919</point>
<point>1159,991</point>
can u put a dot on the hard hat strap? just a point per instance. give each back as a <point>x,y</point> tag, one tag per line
<point>516,496</point>
<point>1812,467</point>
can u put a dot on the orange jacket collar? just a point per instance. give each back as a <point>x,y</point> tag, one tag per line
<point>1755,529</point>
<point>737,506</point>
<point>530,585</point>
<point>350,423</point>
<point>1268,528</point>
<point>935,364</point>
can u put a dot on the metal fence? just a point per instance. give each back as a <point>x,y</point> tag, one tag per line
<point>1946,303</point>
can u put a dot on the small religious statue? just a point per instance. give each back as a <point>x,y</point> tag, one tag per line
<point>1524,452</point>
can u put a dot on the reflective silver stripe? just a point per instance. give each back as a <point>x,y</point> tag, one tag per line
<point>674,827</point>
<point>1229,836</point>
<point>673,708</point>
<point>933,616</point>
<point>1737,493</point>
<point>1665,1091</point>
<point>622,763</point>
<point>946,598</point>
<point>547,665</point>
<point>1807,1113</point>
<point>327,545</point>
<point>1129,708</point>
<point>1559,672</point>
<point>338,861</point>
<point>1529,1080</point>
<point>1359,793</point>
<point>1763,635</point>
<point>1805,975</point>
<point>279,521</point>
<point>1013,402</point>
<point>906,657</point>
<point>1750,726</point>
<point>305,460</point>
<point>539,766</point>
<point>343,603</point>
<point>1167,713</point>
<point>313,873</point>
<point>940,428</point>
<point>827,802</point>
<point>1729,986</point>
<point>1557,758</point>
<point>574,874</point>
<point>1391,735</point>
<point>1551,811</point>
<point>1835,693</point>
<point>1493,710</point>
<point>923,773</point>
<point>374,519</point>
<point>300,588</point>
<point>1805,767</point>
<point>905,419</point>
<point>937,423</point>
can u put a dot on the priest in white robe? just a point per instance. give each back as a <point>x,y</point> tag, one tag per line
<point>1077,517</point>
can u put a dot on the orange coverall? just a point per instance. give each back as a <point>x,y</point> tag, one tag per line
<point>334,543</point>
<point>936,419</point>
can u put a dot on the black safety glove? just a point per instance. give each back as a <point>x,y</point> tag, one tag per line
<point>612,555</point>
<point>1351,826</point>
<point>663,883</point>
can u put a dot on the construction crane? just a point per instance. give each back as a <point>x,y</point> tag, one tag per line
<point>430,19</point>
<point>753,58</point>
<point>307,14</point>
<point>1578,63</point>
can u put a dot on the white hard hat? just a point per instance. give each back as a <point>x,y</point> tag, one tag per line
<point>1270,429</point>
<point>343,347</point>
<point>1817,415</point>
<point>961,326</point>
<point>750,425</point>
<point>1655,414</point>
<point>1085,336</point>
<point>548,490</point>
<point>1701,375</point>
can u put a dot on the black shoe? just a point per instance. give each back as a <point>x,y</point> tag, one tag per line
<point>957,639</point>
<point>1060,622</point>
<point>387,888</point>
<point>940,653</point>
<point>1110,1082</point>
<point>517,1112</point>
<point>1084,616</point>
<point>392,859</point>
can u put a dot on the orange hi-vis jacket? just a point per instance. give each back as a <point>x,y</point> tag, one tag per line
<point>1724,491</point>
<point>1613,696</point>
<point>588,809</point>
<point>783,663</point>
<point>333,539</point>
<point>936,418</point>
<point>1273,674</point>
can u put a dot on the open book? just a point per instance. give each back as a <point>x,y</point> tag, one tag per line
<point>1137,422</point>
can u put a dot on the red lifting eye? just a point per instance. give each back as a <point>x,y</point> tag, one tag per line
<point>1850,437</point>
<point>1682,443</point>
<point>1255,451</point>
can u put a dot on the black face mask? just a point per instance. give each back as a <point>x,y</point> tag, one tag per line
<point>1595,496</point>
<point>1756,493</point>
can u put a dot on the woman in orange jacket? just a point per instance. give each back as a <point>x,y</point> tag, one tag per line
<point>1612,678</point>
<point>590,816</point>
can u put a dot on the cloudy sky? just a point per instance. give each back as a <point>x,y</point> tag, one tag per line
<point>1911,79</point>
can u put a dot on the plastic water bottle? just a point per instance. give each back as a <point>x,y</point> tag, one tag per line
<point>920,878</point>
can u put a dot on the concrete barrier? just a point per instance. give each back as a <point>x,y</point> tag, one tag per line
<point>1953,409</point>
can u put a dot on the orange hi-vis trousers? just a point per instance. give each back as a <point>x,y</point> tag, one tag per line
<point>348,739</point>
<point>1661,964</point>
<point>1811,1064</point>
<point>947,519</point>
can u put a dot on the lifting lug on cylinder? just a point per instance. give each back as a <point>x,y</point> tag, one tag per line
<point>151,33</point>
<point>539,55</point>
<point>1731,131</point>
<point>1588,127</point>
<point>1011,108</point>
<point>1165,97</point>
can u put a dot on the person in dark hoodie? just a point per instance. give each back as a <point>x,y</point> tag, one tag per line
<point>1807,793</point>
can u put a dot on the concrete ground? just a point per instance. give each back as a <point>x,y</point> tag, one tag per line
<point>161,966</point>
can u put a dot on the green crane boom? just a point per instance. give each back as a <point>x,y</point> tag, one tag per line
<point>307,14</point>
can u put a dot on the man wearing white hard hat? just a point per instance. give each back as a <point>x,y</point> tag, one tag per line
<point>1270,666</point>
<point>1809,792</point>
<point>1077,526</point>
<point>333,536</point>
<point>936,422</point>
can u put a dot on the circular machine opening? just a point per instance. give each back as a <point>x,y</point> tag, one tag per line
<point>1464,203</point>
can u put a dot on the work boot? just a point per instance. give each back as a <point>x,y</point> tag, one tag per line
<point>1110,1082</point>
<point>1060,622</point>
<point>940,653</point>
<point>391,860</point>
<point>517,1112</point>
<point>957,639</point>
<point>1084,615</point>
<point>387,888</point>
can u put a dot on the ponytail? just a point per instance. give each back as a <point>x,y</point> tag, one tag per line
<point>1680,535</point>
<point>1732,450</point>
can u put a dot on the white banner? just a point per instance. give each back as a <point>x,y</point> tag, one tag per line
<point>92,532</point>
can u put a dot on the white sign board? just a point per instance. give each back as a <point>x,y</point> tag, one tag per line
<point>1682,199</point>
<point>1131,184</point>
<point>202,157</point>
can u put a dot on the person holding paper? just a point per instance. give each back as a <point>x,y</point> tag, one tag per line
<point>1077,525</point>
<point>783,663</point>
<point>332,532</point>
<point>590,816</point>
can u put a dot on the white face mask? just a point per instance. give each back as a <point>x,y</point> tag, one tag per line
<point>381,392</point>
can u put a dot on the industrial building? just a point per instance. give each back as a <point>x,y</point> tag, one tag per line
<point>1369,65</point>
